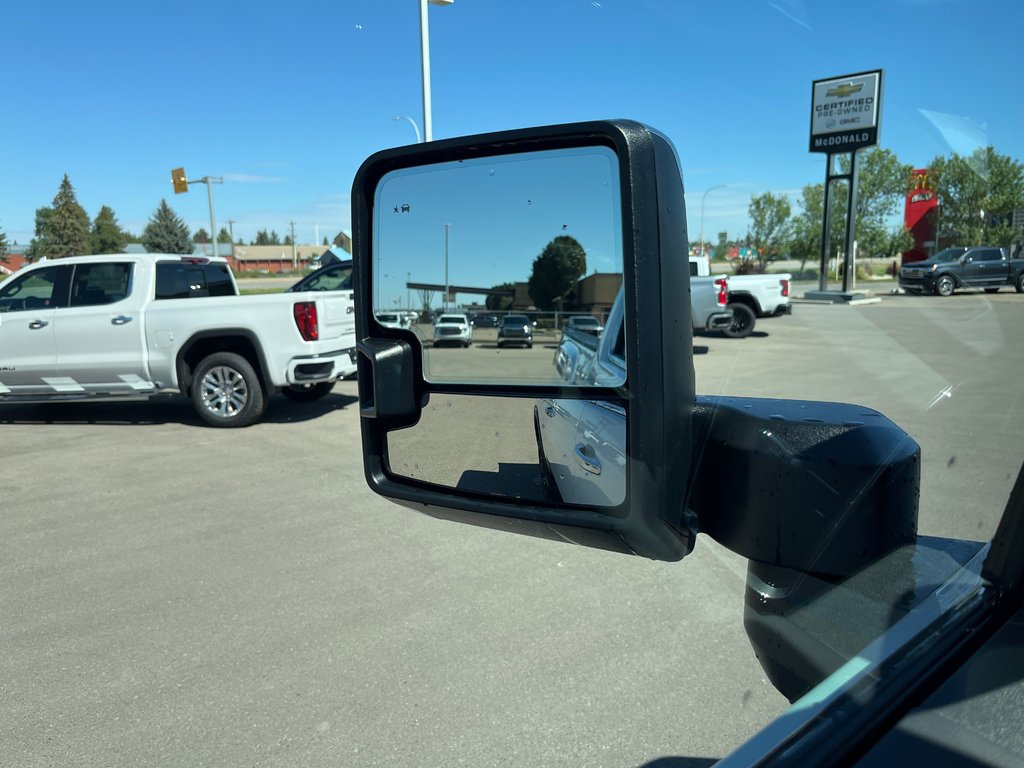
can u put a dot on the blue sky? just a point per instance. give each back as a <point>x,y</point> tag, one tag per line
<point>286,100</point>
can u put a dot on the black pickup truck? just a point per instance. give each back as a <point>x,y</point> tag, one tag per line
<point>962,267</point>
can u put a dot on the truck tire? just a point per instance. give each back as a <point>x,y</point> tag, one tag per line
<point>307,393</point>
<point>1019,285</point>
<point>742,321</point>
<point>945,286</point>
<point>226,392</point>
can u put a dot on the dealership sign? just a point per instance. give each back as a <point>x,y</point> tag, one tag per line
<point>845,112</point>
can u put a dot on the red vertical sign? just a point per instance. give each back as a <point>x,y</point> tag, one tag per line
<point>921,215</point>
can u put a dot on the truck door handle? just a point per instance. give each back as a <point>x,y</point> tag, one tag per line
<point>586,459</point>
<point>37,324</point>
<point>120,320</point>
<point>549,410</point>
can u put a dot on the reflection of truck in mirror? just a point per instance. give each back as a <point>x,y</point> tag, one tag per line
<point>582,442</point>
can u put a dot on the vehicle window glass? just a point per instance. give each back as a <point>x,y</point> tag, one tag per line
<point>334,279</point>
<point>189,281</point>
<point>218,280</point>
<point>40,289</point>
<point>990,254</point>
<point>95,284</point>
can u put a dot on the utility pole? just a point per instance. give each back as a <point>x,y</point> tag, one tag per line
<point>181,182</point>
<point>295,261</point>
<point>444,304</point>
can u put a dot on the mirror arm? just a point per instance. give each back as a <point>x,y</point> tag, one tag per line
<point>821,488</point>
<point>386,382</point>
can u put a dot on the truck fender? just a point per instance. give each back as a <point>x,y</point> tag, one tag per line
<point>241,341</point>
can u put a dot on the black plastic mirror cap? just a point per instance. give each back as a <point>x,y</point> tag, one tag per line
<point>659,392</point>
<point>820,488</point>
<point>386,382</point>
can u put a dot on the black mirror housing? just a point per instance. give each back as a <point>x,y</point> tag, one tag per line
<point>658,393</point>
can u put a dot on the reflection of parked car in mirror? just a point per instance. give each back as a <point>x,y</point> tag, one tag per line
<point>485,321</point>
<point>453,329</point>
<point>392,320</point>
<point>587,323</point>
<point>515,329</point>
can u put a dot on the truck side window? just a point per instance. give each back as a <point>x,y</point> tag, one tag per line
<point>218,280</point>
<point>42,289</point>
<point>95,284</point>
<point>989,254</point>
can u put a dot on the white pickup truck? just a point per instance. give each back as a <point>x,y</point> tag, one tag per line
<point>126,327</point>
<point>750,296</point>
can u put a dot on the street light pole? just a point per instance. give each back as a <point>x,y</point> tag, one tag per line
<point>444,303</point>
<point>702,199</point>
<point>419,139</point>
<point>428,130</point>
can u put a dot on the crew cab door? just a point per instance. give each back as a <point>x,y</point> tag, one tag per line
<point>100,336</point>
<point>984,267</point>
<point>28,305</point>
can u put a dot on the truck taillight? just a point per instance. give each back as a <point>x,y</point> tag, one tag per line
<point>722,285</point>
<point>784,284</point>
<point>305,320</point>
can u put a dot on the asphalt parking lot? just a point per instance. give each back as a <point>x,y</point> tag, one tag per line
<point>180,595</point>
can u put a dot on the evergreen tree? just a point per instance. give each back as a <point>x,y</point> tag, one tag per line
<point>62,229</point>
<point>262,238</point>
<point>106,235</point>
<point>3,247</point>
<point>223,236</point>
<point>287,239</point>
<point>274,238</point>
<point>166,232</point>
<point>201,236</point>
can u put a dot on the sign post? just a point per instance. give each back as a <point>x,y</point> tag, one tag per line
<point>845,116</point>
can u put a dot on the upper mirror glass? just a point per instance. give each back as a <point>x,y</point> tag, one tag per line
<point>487,260</point>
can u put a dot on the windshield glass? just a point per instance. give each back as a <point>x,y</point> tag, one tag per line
<point>239,596</point>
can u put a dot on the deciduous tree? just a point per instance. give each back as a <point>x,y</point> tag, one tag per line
<point>555,272</point>
<point>977,196</point>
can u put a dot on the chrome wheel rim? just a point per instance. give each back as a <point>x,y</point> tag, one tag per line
<point>224,392</point>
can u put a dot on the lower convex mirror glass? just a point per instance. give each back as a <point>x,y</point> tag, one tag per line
<point>552,451</point>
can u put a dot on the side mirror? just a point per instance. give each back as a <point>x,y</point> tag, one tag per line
<point>596,440</point>
<point>456,433</point>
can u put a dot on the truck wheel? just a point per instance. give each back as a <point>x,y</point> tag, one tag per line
<point>742,321</point>
<point>945,286</point>
<point>226,391</point>
<point>307,393</point>
<point>1019,285</point>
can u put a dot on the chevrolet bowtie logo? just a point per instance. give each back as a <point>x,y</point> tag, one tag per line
<point>845,90</point>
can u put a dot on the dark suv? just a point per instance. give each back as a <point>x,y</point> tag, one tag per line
<point>515,329</point>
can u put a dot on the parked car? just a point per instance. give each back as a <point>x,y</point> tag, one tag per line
<point>485,321</point>
<point>587,323</point>
<point>453,329</point>
<point>961,267</point>
<point>333,277</point>
<point>121,326</point>
<point>515,329</point>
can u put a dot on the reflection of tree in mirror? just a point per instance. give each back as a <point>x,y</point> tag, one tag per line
<point>555,272</point>
<point>496,300</point>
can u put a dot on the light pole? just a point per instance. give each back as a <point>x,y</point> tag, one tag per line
<point>428,131</point>
<point>415,127</point>
<point>702,199</point>
<point>444,303</point>
<point>181,182</point>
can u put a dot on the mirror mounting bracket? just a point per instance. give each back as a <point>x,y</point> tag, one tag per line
<point>821,488</point>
